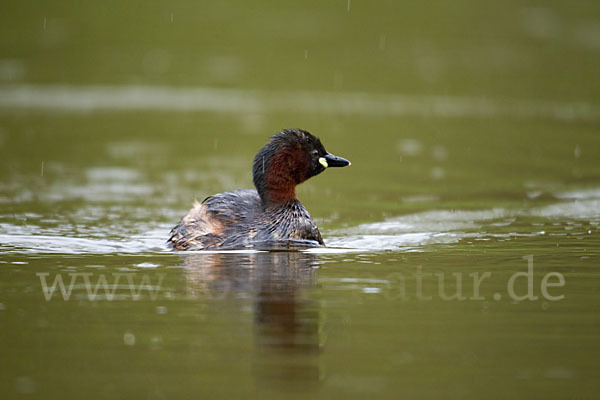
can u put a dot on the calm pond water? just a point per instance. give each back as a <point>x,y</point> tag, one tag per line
<point>463,242</point>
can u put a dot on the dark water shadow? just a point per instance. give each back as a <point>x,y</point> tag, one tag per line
<point>287,322</point>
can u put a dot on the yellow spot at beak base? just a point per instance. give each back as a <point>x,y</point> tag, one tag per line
<point>323,162</point>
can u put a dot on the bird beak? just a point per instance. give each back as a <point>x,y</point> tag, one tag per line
<point>333,161</point>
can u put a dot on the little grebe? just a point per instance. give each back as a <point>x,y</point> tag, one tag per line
<point>270,216</point>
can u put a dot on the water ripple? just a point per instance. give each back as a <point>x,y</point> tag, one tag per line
<point>148,98</point>
<point>414,232</point>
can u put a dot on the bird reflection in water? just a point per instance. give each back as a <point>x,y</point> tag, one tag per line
<point>287,323</point>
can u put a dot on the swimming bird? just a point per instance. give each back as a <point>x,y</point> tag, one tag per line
<point>270,216</point>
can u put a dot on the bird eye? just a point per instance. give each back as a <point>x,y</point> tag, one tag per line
<point>315,153</point>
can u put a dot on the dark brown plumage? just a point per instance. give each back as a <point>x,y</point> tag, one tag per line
<point>270,216</point>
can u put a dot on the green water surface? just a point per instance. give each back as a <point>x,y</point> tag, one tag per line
<point>488,167</point>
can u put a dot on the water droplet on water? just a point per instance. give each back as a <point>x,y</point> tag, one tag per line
<point>156,342</point>
<point>147,265</point>
<point>161,310</point>
<point>409,147</point>
<point>129,339</point>
<point>371,290</point>
<point>438,173</point>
